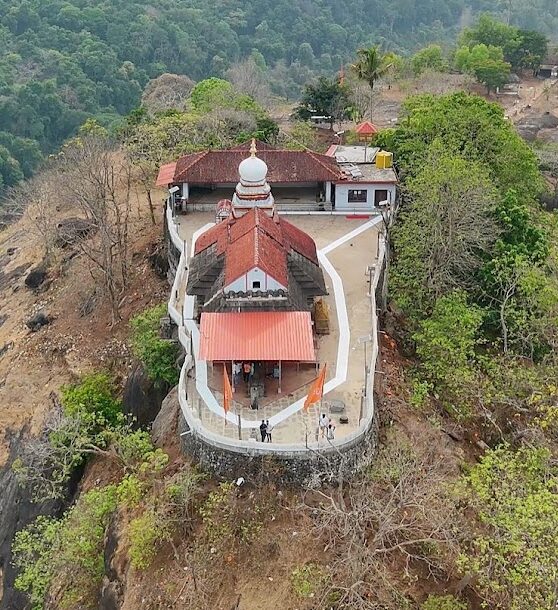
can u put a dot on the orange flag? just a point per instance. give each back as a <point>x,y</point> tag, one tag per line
<point>227,390</point>
<point>317,389</point>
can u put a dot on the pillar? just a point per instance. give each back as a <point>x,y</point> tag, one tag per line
<point>328,192</point>
<point>185,195</point>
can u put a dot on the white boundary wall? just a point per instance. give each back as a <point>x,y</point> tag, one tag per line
<point>188,335</point>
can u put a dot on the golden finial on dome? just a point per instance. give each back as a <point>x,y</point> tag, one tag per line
<point>253,149</point>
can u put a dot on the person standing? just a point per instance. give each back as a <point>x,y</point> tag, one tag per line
<point>237,368</point>
<point>324,422</point>
<point>269,430</point>
<point>263,430</point>
<point>246,368</point>
<point>331,430</point>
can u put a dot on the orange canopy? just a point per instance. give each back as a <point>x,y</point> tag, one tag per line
<point>261,335</point>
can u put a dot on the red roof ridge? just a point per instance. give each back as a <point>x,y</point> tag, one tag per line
<point>317,156</point>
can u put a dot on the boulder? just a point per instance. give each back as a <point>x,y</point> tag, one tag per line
<point>39,320</point>
<point>143,397</point>
<point>164,431</point>
<point>72,230</point>
<point>36,277</point>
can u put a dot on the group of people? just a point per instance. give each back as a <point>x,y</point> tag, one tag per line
<point>327,427</point>
<point>265,430</point>
<point>246,369</point>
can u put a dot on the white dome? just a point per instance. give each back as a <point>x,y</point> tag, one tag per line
<point>252,170</point>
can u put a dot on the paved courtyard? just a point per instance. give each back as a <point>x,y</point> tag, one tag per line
<point>350,258</point>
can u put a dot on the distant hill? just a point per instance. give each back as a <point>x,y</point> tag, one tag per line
<point>63,61</point>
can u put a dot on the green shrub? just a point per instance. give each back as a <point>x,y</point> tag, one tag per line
<point>93,399</point>
<point>307,580</point>
<point>138,453</point>
<point>157,355</point>
<point>69,549</point>
<point>445,344</point>
<point>146,533</point>
<point>443,602</point>
<point>32,551</point>
<point>513,554</point>
<point>130,491</point>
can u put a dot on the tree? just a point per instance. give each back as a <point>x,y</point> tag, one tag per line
<point>398,512</point>
<point>370,66</point>
<point>158,355</point>
<point>513,552</point>
<point>445,344</point>
<point>327,97</point>
<point>166,92</point>
<point>429,58</point>
<point>474,127</point>
<point>443,232</point>
<point>99,182</point>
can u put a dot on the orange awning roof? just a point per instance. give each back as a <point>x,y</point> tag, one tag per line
<point>166,174</point>
<point>260,335</point>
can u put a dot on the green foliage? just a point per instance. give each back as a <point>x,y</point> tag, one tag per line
<point>473,128</point>
<point>93,400</point>
<point>70,549</point>
<point>327,97</point>
<point>131,491</point>
<point>146,534</point>
<point>443,602</point>
<point>513,552</point>
<point>308,580</point>
<point>521,48</point>
<point>137,452</point>
<point>486,63</point>
<point>32,551</point>
<point>445,344</point>
<point>157,355</point>
<point>439,242</point>
<point>420,392</point>
<point>429,58</point>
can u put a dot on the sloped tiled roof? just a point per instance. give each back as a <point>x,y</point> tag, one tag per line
<point>257,240</point>
<point>221,166</point>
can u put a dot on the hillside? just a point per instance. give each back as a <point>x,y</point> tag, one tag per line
<point>65,61</point>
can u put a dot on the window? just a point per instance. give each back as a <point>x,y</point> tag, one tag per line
<point>380,195</point>
<point>256,285</point>
<point>357,196</point>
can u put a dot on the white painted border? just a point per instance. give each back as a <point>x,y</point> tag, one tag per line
<point>190,342</point>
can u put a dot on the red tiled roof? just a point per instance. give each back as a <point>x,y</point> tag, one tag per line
<point>221,166</point>
<point>366,129</point>
<point>256,248</point>
<point>257,240</point>
<point>260,145</point>
<point>166,174</point>
<point>257,336</point>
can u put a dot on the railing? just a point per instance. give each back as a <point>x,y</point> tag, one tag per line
<point>247,447</point>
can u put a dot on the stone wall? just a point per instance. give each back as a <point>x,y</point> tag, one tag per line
<point>307,467</point>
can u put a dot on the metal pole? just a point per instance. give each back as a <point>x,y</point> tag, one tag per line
<point>239,428</point>
<point>280,372</point>
<point>232,376</point>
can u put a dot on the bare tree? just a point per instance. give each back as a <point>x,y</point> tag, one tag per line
<point>398,514</point>
<point>167,92</point>
<point>98,181</point>
<point>247,77</point>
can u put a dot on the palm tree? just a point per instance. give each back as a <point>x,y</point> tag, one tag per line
<point>370,66</point>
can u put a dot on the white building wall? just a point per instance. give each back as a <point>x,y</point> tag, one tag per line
<point>245,283</point>
<point>342,195</point>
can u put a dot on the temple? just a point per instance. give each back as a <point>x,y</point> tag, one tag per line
<point>255,278</point>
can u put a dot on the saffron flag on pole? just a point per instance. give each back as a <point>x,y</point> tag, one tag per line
<point>227,390</point>
<point>317,389</point>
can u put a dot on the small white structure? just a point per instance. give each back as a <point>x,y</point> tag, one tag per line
<point>370,181</point>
